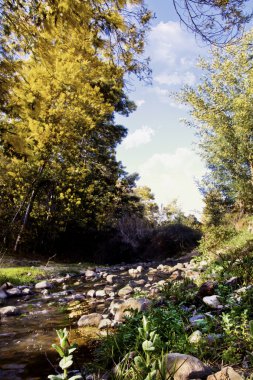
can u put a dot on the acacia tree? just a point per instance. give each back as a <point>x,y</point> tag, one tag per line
<point>58,142</point>
<point>222,110</point>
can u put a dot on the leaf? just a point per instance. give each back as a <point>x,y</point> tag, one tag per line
<point>139,362</point>
<point>147,345</point>
<point>75,377</point>
<point>251,327</point>
<point>58,349</point>
<point>56,377</point>
<point>70,350</point>
<point>66,362</point>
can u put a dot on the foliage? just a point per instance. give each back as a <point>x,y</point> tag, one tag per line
<point>221,108</point>
<point>167,322</point>
<point>20,275</point>
<point>180,292</point>
<point>65,351</point>
<point>148,363</point>
<point>151,209</point>
<point>170,240</point>
<point>58,135</point>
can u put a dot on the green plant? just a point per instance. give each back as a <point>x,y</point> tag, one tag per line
<point>20,275</point>
<point>180,292</point>
<point>65,350</point>
<point>149,362</point>
<point>237,337</point>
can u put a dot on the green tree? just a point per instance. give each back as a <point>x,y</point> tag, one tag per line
<point>222,115</point>
<point>70,59</point>
<point>147,199</point>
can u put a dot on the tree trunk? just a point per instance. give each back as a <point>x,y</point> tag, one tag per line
<point>29,207</point>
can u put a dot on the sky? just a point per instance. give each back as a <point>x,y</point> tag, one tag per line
<point>159,146</point>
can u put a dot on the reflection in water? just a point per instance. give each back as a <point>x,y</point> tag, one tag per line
<point>25,340</point>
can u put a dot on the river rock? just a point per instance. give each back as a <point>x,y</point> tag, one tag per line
<point>13,292</point>
<point>183,367</point>
<point>90,273</point>
<point>213,302</point>
<point>92,319</point>
<point>127,290</point>
<point>91,293</point>
<point>233,281</point>
<point>9,310</point>
<point>100,293</point>
<point>43,285</point>
<point>195,337</point>
<point>124,309</point>
<point>3,294</point>
<point>105,323</point>
<point>197,319</point>
<point>26,291</point>
<point>140,269</point>
<point>207,289</point>
<point>111,278</point>
<point>224,374</point>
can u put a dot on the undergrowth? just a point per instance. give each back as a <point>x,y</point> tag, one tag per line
<point>20,275</point>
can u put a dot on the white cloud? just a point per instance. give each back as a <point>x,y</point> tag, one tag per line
<point>173,175</point>
<point>140,102</point>
<point>176,78</point>
<point>170,44</point>
<point>139,137</point>
<point>162,93</point>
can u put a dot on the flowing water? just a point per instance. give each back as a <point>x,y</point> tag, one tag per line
<point>25,340</point>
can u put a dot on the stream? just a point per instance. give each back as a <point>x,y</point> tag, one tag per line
<point>26,339</point>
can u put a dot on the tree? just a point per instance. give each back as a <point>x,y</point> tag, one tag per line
<point>58,161</point>
<point>216,21</point>
<point>222,111</point>
<point>147,199</point>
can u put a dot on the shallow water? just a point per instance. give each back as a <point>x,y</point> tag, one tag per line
<point>25,340</point>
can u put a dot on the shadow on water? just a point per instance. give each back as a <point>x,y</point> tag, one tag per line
<point>25,340</point>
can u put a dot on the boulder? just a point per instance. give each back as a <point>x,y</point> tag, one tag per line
<point>9,310</point>
<point>105,323</point>
<point>26,291</point>
<point>225,374</point>
<point>90,273</point>
<point>13,292</point>
<point>207,289</point>
<point>124,309</point>
<point>100,293</point>
<point>92,319</point>
<point>3,295</point>
<point>43,285</point>
<point>125,291</point>
<point>213,302</point>
<point>111,278</point>
<point>183,367</point>
<point>91,293</point>
<point>195,337</point>
<point>197,319</point>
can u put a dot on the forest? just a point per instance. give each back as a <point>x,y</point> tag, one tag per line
<point>65,68</point>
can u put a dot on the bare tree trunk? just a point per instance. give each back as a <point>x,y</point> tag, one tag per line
<point>27,213</point>
<point>29,207</point>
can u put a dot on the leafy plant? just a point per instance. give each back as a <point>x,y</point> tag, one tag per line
<point>149,362</point>
<point>65,351</point>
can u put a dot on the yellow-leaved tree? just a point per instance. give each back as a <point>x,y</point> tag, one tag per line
<point>64,64</point>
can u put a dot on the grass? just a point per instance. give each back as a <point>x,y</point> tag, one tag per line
<point>20,275</point>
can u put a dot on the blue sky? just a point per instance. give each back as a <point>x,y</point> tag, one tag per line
<point>158,146</point>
